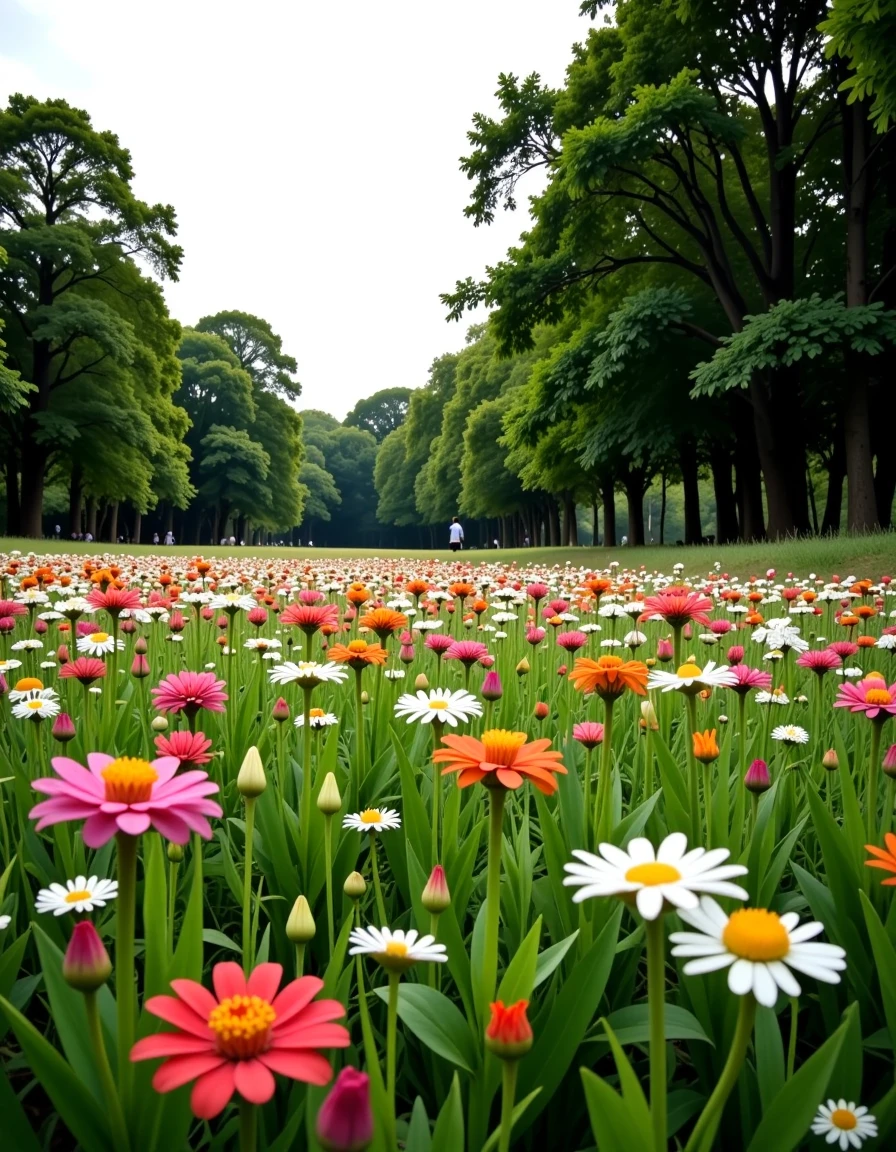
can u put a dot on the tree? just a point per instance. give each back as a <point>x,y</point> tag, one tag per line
<point>863,32</point>
<point>321,494</point>
<point>380,413</point>
<point>258,349</point>
<point>69,218</point>
<point>233,471</point>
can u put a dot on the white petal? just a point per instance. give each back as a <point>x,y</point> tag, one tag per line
<point>784,978</point>
<point>673,848</point>
<point>764,987</point>
<point>740,978</point>
<point>640,851</point>
<point>650,902</point>
<point>708,964</point>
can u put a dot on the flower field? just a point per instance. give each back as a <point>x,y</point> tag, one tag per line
<point>386,854</point>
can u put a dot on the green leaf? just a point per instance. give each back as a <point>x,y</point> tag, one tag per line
<point>419,1138</point>
<point>518,1109</point>
<point>630,1025</point>
<point>786,1121</point>
<point>611,1120</point>
<point>549,960</point>
<point>769,1048</point>
<point>213,936</point>
<point>157,946</point>
<point>448,1135</point>
<point>884,962</point>
<point>437,1022</point>
<point>17,1132</point>
<point>519,979</point>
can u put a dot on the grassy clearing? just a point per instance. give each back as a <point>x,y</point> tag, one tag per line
<point>872,556</point>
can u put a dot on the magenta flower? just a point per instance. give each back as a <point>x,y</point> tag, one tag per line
<point>189,692</point>
<point>537,591</point>
<point>114,600</point>
<point>871,696</point>
<point>735,654</point>
<point>677,608</point>
<point>85,668</point>
<point>535,636</point>
<point>469,652</point>
<point>345,1120</point>
<point>191,748</point>
<point>12,608</point>
<point>843,648</point>
<point>819,662</point>
<point>555,608</point>
<point>572,641</point>
<point>720,627</point>
<point>589,734</point>
<point>437,643</point>
<point>748,679</point>
<point>126,795</point>
<point>757,778</point>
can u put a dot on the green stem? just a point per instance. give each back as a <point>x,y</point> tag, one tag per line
<point>436,798</point>
<point>656,1001</point>
<point>873,777</point>
<point>676,646</point>
<point>248,1127</point>
<point>300,960</point>
<point>496,797</point>
<point>707,804</point>
<point>172,903</point>
<point>887,820</point>
<point>377,887</point>
<point>602,817</point>
<point>110,1092</point>
<point>305,830</point>
<point>391,1038</point>
<point>125,982</point>
<point>359,737</point>
<point>693,787</point>
<point>791,1046</point>
<point>586,842</point>
<point>328,867</point>
<point>705,1128</point>
<point>247,885</point>
<point>433,972</point>
<point>508,1096</point>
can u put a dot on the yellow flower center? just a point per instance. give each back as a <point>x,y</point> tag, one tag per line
<point>316,713</point>
<point>687,671</point>
<point>35,705</point>
<point>438,705</point>
<point>652,874</point>
<point>357,646</point>
<point>878,696</point>
<point>29,684</point>
<point>502,746</point>
<point>99,637</point>
<point>242,1026</point>
<point>756,934</point>
<point>876,676</point>
<point>74,897</point>
<point>129,780</point>
<point>396,948</point>
<point>371,816</point>
<point>843,1119</point>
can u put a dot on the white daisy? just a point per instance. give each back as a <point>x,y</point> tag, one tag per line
<point>759,947</point>
<point>98,644</point>
<point>442,704</point>
<point>5,922</point>
<point>261,643</point>
<point>426,625</point>
<point>394,674</point>
<point>232,602</point>
<point>610,643</point>
<point>78,895</point>
<point>790,734</point>
<point>887,642</point>
<point>397,950</point>
<point>776,697</point>
<point>26,646</point>
<point>73,607</point>
<point>41,704</point>
<point>850,673</point>
<point>306,673</point>
<point>317,718</point>
<point>839,1121</point>
<point>373,820</point>
<point>689,678</point>
<point>9,666</point>
<point>668,874</point>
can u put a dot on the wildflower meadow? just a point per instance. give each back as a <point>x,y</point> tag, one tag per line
<point>444,856</point>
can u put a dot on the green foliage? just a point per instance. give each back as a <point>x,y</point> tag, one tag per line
<point>257,348</point>
<point>380,413</point>
<point>864,33</point>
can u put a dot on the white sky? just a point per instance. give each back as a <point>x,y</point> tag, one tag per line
<point>310,149</point>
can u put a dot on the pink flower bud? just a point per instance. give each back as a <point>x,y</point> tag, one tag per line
<point>207,613</point>
<point>86,965</point>
<point>128,627</point>
<point>889,764</point>
<point>541,711</point>
<point>63,728</point>
<point>757,778</point>
<point>487,661</point>
<point>257,616</point>
<point>7,623</point>
<point>40,627</point>
<point>436,897</point>
<point>4,687</point>
<point>664,651</point>
<point>491,687</point>
<point>831,760</point>
<point>735,654</point>
<point>176,622</point>
<point>562,670</point>
<point>345,1120</point>
<point>589,734</point>
<point>140,667</point>
<point>62,654</point>
<point>140,646</point>
<point>406,653</point>
<point>281,710</point>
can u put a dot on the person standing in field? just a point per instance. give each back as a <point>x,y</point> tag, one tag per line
<point>455,535</point>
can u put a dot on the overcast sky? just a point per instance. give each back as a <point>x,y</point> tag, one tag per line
<point>310,150</point>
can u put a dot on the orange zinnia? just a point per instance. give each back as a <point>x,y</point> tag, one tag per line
<point>461,589</point>
<point>357,594</point>
<point>383,621</point>
<point>501,759</point>
<point>609,676</point>
<point>705,747</point>
<point>357,654</point>
<point>886,858</point>
<point>417,587</point>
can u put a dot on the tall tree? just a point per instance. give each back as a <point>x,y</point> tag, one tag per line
<point>258,349</point>
<point>380,413</point>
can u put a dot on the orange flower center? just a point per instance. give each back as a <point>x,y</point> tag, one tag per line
<point>843,1119</point>
<point>371,816</point>
<point>396,948</point>
<point>610,662</point>
<point>242,1026</point>
<point>128,780</point>
<point>502,746</point>
<point>316,713</point>
<point>29,684</point>
<point>357,646</point>
<point>878,696</point>
<point>756,934</point>
<point>74,897</point>
<point>688,671</point>
<point>652,874</point>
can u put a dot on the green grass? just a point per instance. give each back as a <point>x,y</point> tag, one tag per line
<point>870,556</point>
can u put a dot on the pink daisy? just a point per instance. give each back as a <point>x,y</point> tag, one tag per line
<point>469,652</point>
<point>310,617</point>
<point>871,696</point>
<point>114,600</point>
<point>236,1039</point>
<point>191,748</point>
<point>190,691</point>
<point>589,734</point>
<point>12,608</point>
<point>437,643</point>
<point>572,641</point>
<point>678,608</point>
<point>843,648</point>
<point>748,679</point>
<point>555,608</point>
<point>819,662</point>
<point>537,591</point>
<point>126,795</point>
<point>535,636</point>
<point>85,668</point>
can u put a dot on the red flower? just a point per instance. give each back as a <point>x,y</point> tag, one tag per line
<point>678,608</point>
<point>191,748</point>
<point>310,617</point>
<point>236,1039</point>
<point>114,600</point>
<point>189,692</point>
<point>509,1033</point>
<point>85,668</point>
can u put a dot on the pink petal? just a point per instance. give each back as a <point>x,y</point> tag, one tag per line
<point>180,1070</point>
<point>76,774</point>
<point>212,1091</point>
<point>183,781</point>
<point>98,830</point>
<point>97,761</point>
<point>253,1081</point>
<point>165,767</point>
<point>264,981</point>
<point>228,980</point>
<point>170,1044</point>
<point>199,824</point>
<point>60,808</point>
<point>133,823</point>
<point>180,1014</point>
<point>51,786</point>
<point>113,807</point>
<point>320,1012</point>
<point>196,996</point>
<point>310,1067</point>
<point>295,996</point>
<point>171,827</point>
<point>315,1036</point>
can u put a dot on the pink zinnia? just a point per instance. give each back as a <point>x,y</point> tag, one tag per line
<point>535,636</point>
<point>310,596</point>
<point>437,643</point>
<point>871,696</point>
<point>126,795</point>
<point>589,734</point>
<point>236,1039</point>
<point>819,662</point>
<point>843,648</point>
<point>748,679</point>
<point>85,668</point>
<point>311,617</point>
<point>189,692</point>
<point>720,627</point>
<point>537,591</point>
<point>345,1119</point>
<point>12,608</point>
<point>735,654</point>
<point>191,748</point>
<point>572,641</point>
<point>114,600</point>
<point>678,608</point>
<point>467,651</point>
<point>555,608</point>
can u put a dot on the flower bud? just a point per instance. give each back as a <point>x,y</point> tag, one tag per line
<point>63,728</point>
<point>86,964</point>
<point>706,748</point>
<point>62,654</point>
<point>648,715</point>
<point>175,852</point>
<point>523,668</point>
<point>436,897</point>
<point>300,926</point>
<point>541,711</point>
<point>140,646</point>
<point>406,653</point>
<point>889,764</point>
<point>355,886</point>
<point>251,780</point>
<point>509,1033</point>
<point>664,651</point>
<point>365,698</point>
<point>40,627</point>
<point>159,724</point>
<point>128,627</point>
<point>139,667</point>
<point>757,779</point>
<point>491,687</point>
<point>328,799</point>
<point>280,711</point>
<point>421,683</point>
<point>345,1120</point>
<point>831,760</point>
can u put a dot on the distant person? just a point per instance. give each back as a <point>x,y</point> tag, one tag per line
<point>232,541</point>
<point>155,537</point>
<point>88,538</point>
<point>455,535</point>
<point>169,538</point>
<point>526,542</point>
<point>57,531</point>
<point>496,543</point>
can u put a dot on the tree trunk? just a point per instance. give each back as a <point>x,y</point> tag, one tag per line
<point>34,466</point>
<point>75,500</point>
<point>664,489</point>
<point>726,506</point>
<point>782,458</point>
<point>570,523</point>
<point>748,486</point>
<point>634,494</point>
<point>113,521</point>
<point>138,525</point>
<point>553,518</point>
<point>13,505</point>
<point>885,487</point>
<point>693,526</point>
<point>609,503</point>
<point>830,522</point>
<point>595,524</point>
<point>91,517</point>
